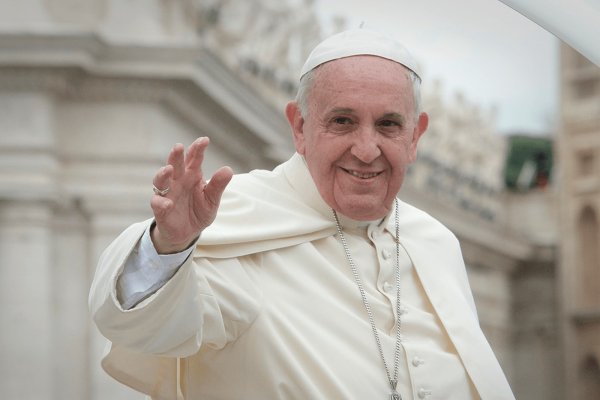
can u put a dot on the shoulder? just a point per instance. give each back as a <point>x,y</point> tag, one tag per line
<point>421,223</point>
<point>435,252</point>
<point>256,182</point>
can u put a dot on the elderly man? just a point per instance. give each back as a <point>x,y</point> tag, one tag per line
<point>311,281</point>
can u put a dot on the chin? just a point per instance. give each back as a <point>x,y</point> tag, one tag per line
<point>366,213</point>
<point>360,206</point>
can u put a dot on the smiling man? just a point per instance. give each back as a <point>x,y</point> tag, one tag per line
<point>311,281</point>
<point>360,133</point>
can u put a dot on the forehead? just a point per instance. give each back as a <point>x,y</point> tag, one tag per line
<point>366,78</point>
<point>363,66</point>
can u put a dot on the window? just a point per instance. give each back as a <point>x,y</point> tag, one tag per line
<point>586,162</point>
<point>589,261</point>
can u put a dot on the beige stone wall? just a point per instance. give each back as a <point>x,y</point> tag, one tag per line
<point>579,150</point>
<point>93,94</point>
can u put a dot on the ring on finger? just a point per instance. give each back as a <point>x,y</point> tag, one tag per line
<point>160,192</point>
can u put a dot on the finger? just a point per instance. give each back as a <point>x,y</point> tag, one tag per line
<point>162,179</point>
<point>216,186</point>
<point>160,207</point>
<point>176,160</point>
<point>195,154</point>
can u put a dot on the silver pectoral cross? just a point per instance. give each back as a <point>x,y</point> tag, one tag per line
<point>394,395</point>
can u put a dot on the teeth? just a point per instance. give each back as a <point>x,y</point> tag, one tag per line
<point>363,176</point>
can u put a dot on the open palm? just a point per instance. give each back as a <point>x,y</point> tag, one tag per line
<point>191,203</point>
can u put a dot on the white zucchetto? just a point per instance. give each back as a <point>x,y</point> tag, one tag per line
<point>356,42</point>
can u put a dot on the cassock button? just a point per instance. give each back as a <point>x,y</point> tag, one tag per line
<point>388,287</point>
<point>417,361</point>
<point>422,393</point>
<point>386,254</point>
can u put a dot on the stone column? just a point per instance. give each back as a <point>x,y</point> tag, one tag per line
<point>69,283</point>
<point>27,194</point>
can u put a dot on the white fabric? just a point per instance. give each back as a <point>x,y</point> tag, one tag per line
<point>253,318</point>
<point>426,348</point>
<point>146,271</point>
<point>576,22</point>
<point>355,42</point>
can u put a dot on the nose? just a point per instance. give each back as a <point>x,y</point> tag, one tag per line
<point>366,145</point>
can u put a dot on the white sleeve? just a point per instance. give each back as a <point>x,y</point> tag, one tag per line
<point>146,271</point>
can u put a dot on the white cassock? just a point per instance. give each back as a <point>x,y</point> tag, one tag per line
<point>267,307</point>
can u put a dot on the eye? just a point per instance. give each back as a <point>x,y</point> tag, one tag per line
<point>389,127</point>
<point>342,121</point>
<point>388,123</point>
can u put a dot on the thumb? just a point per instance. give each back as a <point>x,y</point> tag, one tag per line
<point>216,186</point>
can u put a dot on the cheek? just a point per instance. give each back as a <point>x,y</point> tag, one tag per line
<point>411,152</point>
<point>405,153</point>
<point>396,155</point>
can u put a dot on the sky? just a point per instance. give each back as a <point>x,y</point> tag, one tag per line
<point>493,55</point>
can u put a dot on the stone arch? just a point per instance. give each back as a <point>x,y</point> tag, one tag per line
<point>588,237</point>
<point>590,375</point>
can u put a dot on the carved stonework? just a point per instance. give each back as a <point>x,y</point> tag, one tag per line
<point>579,152</point>
<point>461,158</point>
<point>77,12</point>
<point>76,84</point>
<point>265,41</point>
<point>275,33</point>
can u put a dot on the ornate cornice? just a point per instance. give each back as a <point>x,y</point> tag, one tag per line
<point>189,80</point>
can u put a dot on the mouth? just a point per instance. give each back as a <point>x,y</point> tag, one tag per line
<point>361,175</point>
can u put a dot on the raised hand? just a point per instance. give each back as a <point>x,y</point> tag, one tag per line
<point>190,204</point>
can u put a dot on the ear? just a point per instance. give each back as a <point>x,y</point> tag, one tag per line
<point>419,130</point>
<point>296,121</point>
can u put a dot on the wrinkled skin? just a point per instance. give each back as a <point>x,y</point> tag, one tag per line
<point>360,133</point>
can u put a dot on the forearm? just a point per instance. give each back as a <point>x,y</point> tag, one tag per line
<point>146,271</point>
<point>169,322</point>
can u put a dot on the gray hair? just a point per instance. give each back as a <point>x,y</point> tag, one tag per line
<point>307,80</point>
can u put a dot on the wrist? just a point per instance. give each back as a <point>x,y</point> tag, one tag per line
<point>165,246</point>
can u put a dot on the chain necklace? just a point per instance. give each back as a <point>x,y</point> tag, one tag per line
<point>393,379</point>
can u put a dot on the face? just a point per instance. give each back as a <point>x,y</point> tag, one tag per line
<point>360,133</point>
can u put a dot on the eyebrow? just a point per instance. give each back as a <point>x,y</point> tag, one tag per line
<point>342,110</point>
<point>399,118</point>
<point>348,110</point>
<point>392,115</point>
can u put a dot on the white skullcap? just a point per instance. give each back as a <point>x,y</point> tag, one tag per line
<point>356,42</point>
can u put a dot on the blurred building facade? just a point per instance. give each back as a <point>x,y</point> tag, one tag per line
<point>508,237</point>
<point>579,149</point>
<point>93,94</point>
